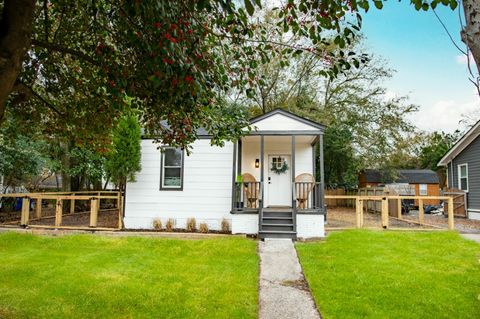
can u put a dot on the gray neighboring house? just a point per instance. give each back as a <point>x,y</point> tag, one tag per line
<point>463,168</point>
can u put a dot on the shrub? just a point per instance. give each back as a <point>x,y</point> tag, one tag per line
<point>169,225</point>
<point>191,225</point>
<point>225,226</point>
<point>203,228</point>
<point>157,223</point>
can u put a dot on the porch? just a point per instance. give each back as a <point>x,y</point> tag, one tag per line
<point>278,174</point>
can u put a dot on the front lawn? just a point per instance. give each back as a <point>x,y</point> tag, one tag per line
<point>103,277</point>
<point>366,274</point>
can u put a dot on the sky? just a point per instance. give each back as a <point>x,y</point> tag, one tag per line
<point>429,69</point>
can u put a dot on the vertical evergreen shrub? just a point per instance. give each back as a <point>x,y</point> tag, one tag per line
<point>123,160</point>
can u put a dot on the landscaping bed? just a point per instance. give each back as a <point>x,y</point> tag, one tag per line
<point>368,274</point>
<point>82,276</point>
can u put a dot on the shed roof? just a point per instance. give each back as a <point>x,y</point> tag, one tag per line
<point>410,176</point>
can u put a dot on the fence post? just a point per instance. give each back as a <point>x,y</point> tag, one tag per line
<point>399,208</point>
<point>358,212</point>
<point>58,213</point>
<point>384,212</point>
<point>451,223</point>
<point>361,213</point>
<point>25,211</point>
<point>120,209</point>
<point>421,211</point>
<point>93,212</point>
<point>38,208</point>
<point>72,204</point>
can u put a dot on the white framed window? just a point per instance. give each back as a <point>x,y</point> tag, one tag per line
<point>463,177</point>
<point>171,170</point>
<point>423,190</point>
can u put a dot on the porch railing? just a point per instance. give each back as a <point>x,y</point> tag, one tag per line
<point>247,196</point>
<point>308,195</point>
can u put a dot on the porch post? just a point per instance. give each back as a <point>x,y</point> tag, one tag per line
<point>322,175</point>
<point>234,170</point>
<point>293,171</point>
<point>262,148</point>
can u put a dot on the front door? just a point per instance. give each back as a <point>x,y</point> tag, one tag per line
<point>279,181</point>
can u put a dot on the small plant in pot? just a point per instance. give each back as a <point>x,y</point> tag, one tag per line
<point>238,197</point>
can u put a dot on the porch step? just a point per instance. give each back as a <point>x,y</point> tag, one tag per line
<point>277,234</point>
<point>277,220</point>
<point>277,227</point>
<point>277,213</point>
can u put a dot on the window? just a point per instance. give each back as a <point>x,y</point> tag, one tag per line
<point>171,171</point>
<point>463,177</point>
<point>423,190</point>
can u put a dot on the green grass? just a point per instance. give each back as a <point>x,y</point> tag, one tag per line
<point>98,277</point>
<point>362,274</point>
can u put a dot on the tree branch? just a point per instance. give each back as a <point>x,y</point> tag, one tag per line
<point>54,47</point>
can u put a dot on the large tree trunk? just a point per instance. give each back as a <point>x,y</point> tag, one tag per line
<point>471,33</point>
<point>15,35</point>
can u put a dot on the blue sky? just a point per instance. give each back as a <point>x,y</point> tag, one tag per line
<point>429,68</point>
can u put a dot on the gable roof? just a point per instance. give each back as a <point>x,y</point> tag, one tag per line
<point>410,176</point>
<point>203,133</point>
<point>461,144</point>
<point>287,114</point>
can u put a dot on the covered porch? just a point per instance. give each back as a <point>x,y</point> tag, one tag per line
<point>278,173</point>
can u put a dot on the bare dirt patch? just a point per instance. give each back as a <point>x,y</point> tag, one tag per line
<point>342,217</point>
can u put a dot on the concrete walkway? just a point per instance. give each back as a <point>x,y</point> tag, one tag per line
<point>474,237</point>
<point>283,289</point>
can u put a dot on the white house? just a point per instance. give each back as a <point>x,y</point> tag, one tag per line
<point>254,183</point>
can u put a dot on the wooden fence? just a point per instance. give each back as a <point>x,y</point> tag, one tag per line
<point>459,201</point>
<point>386,211</point>
<point>93,197</point>
<point>340,202</point>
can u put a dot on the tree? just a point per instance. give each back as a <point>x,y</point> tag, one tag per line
<point>365,127</point>
<point>123,160</point>
<point>434,147</point>
<point>21,163</point>
<point>75,63</point>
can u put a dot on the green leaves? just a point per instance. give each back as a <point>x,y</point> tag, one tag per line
<point>249,7</point>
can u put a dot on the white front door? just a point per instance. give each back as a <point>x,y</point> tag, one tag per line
<point>279,181</point>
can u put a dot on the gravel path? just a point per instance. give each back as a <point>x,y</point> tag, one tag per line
<point>284,292</point>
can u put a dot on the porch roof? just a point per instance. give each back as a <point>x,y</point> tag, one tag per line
<point>281,122</point>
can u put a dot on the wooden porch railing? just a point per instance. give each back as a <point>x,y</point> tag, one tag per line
<point>247,196</point>
<point>308,195</point>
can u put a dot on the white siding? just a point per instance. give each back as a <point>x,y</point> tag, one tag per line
<point>206,194</point>
<point>279,122</point>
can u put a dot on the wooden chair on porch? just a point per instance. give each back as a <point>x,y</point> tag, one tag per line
<point>251,190</point>
<point>304,184</point>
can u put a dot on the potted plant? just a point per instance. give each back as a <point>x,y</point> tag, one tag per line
<point>238,192</point>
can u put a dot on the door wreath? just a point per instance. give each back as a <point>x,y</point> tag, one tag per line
<point>279,169</point>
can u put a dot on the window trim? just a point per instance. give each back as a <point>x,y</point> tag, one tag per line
<point>459,170</point>
<point>182,167</point>
<point>420,190</point>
